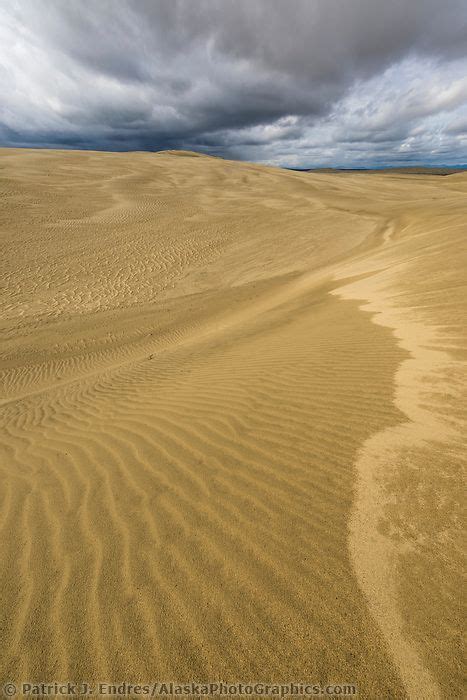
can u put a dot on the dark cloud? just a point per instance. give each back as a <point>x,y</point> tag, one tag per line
<point>291,82</point>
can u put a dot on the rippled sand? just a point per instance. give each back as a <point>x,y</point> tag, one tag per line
<point>232,409</point>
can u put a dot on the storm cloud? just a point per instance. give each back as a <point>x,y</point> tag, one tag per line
<point>287,82</point>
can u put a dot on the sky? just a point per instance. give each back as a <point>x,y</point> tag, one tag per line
<point>294,83</point>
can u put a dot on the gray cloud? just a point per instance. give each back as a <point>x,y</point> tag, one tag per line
<point>296,82</point>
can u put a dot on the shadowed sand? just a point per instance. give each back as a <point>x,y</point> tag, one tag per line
<point>232,410</point>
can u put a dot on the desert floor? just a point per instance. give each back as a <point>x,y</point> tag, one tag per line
<point>232,410</point>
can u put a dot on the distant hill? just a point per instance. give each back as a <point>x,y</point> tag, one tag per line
<point>409,170</point>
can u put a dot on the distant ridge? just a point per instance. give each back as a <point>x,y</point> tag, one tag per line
<point>186,154</point>
<point>409,170</point>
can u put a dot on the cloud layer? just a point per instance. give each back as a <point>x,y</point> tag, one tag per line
<point>290,82</point>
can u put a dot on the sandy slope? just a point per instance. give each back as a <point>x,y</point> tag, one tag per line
<point>232,416</point>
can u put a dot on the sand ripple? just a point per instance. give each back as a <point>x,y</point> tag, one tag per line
<point>212,373</point>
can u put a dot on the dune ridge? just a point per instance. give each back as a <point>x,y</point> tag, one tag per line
<point>231,395</point>
<point>417,381</point>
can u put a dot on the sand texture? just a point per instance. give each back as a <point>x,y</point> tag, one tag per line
<point>233,418</point>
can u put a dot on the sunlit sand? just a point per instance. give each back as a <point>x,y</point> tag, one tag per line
<point>232,413</point>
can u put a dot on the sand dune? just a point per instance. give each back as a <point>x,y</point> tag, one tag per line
<point>232,410</point>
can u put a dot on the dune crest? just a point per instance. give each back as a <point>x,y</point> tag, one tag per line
<point>375,550</point>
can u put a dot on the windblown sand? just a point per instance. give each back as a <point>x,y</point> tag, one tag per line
<point>233,412</point>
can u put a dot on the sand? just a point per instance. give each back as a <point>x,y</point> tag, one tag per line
<point>232,407</point>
